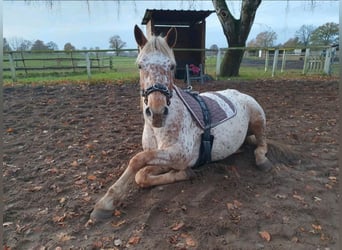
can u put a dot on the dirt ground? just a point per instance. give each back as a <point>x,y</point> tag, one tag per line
<point>64,145</point>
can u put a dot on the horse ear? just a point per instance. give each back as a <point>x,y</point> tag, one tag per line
<point>171,37</point>
<point>139,36</point>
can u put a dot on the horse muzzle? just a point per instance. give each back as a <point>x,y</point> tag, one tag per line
<point>157,117</point>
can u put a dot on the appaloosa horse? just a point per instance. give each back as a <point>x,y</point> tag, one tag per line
<point>173,140</point>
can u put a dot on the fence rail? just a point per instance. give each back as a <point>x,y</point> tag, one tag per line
<point>314,61</point>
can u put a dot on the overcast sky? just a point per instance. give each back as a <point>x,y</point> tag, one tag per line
<point>91,25</point>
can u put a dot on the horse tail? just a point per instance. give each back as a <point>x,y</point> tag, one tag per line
<point>282,153</point>
<point>278,152</point>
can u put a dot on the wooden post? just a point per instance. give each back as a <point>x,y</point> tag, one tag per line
<point>72,61</point>
<point>306,59</point>
<point>267,56</point>
<point>10,57</point>
<point>188,80</point>
<point>98,60</point>
<point>111,62</point>
<point>218,63</point>
<point>88,65</point>
<point>275,61</point>
<point>23,59</point>
<point>283,62</point>
<point>327,62</point>
<point>201,73</point>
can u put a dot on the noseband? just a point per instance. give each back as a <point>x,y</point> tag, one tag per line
<point>160,88</point>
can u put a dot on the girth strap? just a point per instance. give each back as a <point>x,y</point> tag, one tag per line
<point>206,138</point>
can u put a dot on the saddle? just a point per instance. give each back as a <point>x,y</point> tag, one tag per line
<point>208,114</point>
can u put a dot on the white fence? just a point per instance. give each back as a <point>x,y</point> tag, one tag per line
<point>316,61</point>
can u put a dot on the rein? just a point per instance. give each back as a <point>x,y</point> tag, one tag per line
<point>160,88</point>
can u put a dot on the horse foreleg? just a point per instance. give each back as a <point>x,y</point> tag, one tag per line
<point>159,175</point>
<point>119,190</point>
<point>105,206</point>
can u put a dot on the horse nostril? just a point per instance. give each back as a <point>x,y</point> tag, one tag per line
<point>148,111</point>
<point>166,111</point>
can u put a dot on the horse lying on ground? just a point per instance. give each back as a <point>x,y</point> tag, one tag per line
<point>175,137</point>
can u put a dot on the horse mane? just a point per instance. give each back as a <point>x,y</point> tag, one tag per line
<point>157,43</point>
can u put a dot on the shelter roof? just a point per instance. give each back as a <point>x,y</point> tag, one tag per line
<point>175,17</point>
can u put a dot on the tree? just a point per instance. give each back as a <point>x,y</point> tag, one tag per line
<point>236,32</point>
<point>326,34</point>
<point>292,42</point>
<point>116,43</point>
<point>39,45</point>
<point>20,44</point>
<point>25,45</point>
<point>304,34</point>
<point>5,46</point>
<point>264,39</point>
<point>214,47</point>
<point>69,47</point>
<point>213,50</point>
<point>52,46</point>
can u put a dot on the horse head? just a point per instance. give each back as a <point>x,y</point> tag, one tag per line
<point>157,64</point>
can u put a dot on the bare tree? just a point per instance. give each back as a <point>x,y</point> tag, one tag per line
<point>236,32</point>
<point>25,45</point>
<point>304,34</point>
<point>19,43</point>
<point>116,43</point>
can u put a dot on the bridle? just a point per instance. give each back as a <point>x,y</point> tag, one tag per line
<point>160,88</point>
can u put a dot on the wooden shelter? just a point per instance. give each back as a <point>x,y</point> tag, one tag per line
<point>190,25</point>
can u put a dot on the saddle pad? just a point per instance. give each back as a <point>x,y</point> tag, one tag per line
<point>217,114</point>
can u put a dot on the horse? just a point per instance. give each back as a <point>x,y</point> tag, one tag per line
<point>172,140</point>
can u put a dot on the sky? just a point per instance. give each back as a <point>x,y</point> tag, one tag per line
<point>91,25</point>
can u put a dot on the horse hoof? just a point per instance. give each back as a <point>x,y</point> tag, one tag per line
<point>266,166</point>
<point>101,214</point>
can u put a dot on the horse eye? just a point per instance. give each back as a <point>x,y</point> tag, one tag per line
<point>172,67</point>
<point>139,66</point>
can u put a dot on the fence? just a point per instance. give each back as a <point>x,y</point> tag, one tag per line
<point>28,63</point>
<point>316,60</point>
<point>49,62</point>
